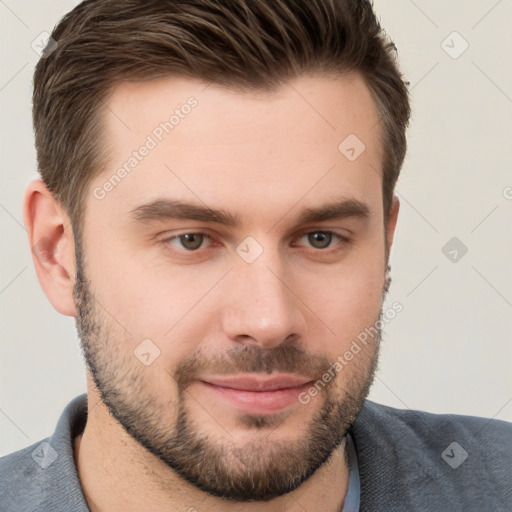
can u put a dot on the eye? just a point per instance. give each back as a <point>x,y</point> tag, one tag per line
<point>189,241</point>
<point>322,239</point>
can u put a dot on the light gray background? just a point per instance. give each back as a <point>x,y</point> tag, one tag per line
<point>450,349</point>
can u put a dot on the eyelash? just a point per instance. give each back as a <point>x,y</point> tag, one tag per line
<point>342,240</point>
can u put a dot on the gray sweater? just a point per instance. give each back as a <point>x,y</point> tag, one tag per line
<point>408,461</point>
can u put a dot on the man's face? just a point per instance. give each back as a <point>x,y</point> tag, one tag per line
<point>264,256</point>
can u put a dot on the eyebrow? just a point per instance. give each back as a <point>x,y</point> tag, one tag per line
<point>165,209</point>
<point>347,208</point>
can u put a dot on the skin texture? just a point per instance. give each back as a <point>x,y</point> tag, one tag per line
<point>157,438</point>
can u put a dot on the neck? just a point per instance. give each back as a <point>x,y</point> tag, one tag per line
<point>117,474</point>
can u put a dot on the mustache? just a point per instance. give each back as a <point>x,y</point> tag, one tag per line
<point>252,359</point>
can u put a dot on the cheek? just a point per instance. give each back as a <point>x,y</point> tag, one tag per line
<point>350,289</point>
<point>147,295</point>
<point>364,293</point>
<point>350,312</point>
<point>176,314</point>
<point>346,302</point>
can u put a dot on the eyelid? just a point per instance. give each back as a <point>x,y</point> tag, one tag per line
<point>167,240</point>
<point>341,238</point>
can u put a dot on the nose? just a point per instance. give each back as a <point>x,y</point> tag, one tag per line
<point>262,306</point>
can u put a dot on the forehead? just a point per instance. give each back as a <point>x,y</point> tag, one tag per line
<point>314,136</point>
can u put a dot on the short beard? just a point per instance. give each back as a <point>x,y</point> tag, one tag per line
<point>257,471</point>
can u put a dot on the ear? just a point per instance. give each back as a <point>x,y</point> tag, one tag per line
<point>391,226</point>
<point>52,242</point>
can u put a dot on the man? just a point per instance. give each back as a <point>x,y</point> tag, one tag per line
<point>216,210</point>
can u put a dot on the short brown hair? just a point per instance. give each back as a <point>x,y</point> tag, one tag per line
<point>245,44</point>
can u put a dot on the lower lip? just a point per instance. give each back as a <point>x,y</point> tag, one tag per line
<point>258,402</point>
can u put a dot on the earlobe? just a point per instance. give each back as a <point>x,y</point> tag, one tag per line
<point>51,240</point>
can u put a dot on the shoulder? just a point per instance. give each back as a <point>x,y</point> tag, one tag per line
<point>421,423</point>
<point>438,435</point>
<point>461,461</point>
<point>21,475</point>
<point>43,476</point>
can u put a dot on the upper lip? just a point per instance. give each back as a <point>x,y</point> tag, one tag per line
<point>261,383</point>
